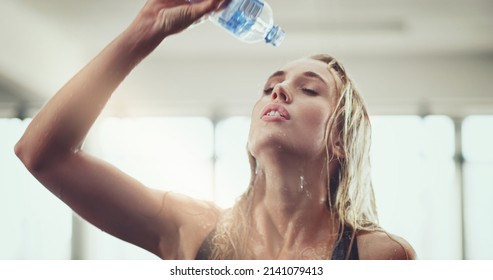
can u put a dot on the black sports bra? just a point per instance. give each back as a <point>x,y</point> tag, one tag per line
<point>345,249</point>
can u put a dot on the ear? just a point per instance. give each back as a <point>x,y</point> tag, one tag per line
<point>338,147</point>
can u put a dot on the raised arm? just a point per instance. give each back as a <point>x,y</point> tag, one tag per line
<point>51,146</point>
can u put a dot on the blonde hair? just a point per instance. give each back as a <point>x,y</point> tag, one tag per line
<point>354,196</point>
<point>351,198</point>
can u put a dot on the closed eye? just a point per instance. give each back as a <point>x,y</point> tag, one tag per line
<point>310,92</point>
<point>268,91</point>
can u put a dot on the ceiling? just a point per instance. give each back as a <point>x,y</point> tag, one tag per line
<point>406,56</point>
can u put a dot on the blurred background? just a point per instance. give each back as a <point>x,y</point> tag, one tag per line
<point>180,120</point>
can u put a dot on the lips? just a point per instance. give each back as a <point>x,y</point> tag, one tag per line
<point>275,112</point>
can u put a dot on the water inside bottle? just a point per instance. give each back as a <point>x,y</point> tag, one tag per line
<point>239,20</point>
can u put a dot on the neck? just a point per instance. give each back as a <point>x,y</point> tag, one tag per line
<point>290,203</point>
<point>291,186</point>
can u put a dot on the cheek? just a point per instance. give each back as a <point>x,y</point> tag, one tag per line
<point>254,123</point>
<point>315,123</point>
<point>316,119</point>
<point>311,131</point>
<point>256,108</point>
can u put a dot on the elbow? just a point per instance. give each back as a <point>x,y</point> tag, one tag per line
<point>23,155</point>
<point>38,159</point>
<point>27,156</point>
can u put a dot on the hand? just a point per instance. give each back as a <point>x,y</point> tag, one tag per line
<point>167,17</point>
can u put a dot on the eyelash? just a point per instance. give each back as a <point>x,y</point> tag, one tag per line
<point>310,92</point>
<point>268,91</point>
<point>307,91</point>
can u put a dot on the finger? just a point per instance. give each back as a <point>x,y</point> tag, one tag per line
<point>223,4</point>
<point>204,7</point>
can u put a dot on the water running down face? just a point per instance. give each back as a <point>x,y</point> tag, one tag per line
<point>293,111</point>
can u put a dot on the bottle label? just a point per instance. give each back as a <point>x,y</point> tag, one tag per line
<point>240,16</point>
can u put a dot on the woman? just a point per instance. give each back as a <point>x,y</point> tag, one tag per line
<point>310,195</point>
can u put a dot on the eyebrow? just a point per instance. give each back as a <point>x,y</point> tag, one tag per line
<point>309,74</point>
<point>314,75</point>
<point>277,74</point>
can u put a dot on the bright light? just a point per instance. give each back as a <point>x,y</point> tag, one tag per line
<point>478,186</point>
<point>172,154</point>
<point>232,167</point>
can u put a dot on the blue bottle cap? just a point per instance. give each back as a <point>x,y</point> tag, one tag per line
<point>275,36</point>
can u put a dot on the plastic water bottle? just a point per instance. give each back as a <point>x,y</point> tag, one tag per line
<point>250,21</point>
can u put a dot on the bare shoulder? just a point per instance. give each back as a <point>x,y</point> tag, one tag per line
<point>192,219</point>
<point>381,245</point>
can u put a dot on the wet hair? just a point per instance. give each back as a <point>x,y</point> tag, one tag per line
<point>350,191</point>
<point>353,198</point>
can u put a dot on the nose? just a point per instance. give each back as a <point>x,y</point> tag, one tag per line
<point>280,91</point>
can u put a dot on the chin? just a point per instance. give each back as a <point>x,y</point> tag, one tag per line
<point>268,144</point>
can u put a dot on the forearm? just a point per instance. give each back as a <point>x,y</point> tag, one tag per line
<point>61,125</point>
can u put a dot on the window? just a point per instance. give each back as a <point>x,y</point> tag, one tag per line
<point>414,182</point>
<point>34,223</point>
<point>232,167</point>
<point>477,138</point>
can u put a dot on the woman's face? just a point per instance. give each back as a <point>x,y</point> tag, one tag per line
<point>293,111</point>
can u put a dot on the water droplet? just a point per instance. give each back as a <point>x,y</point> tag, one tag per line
<point>308,194</point>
